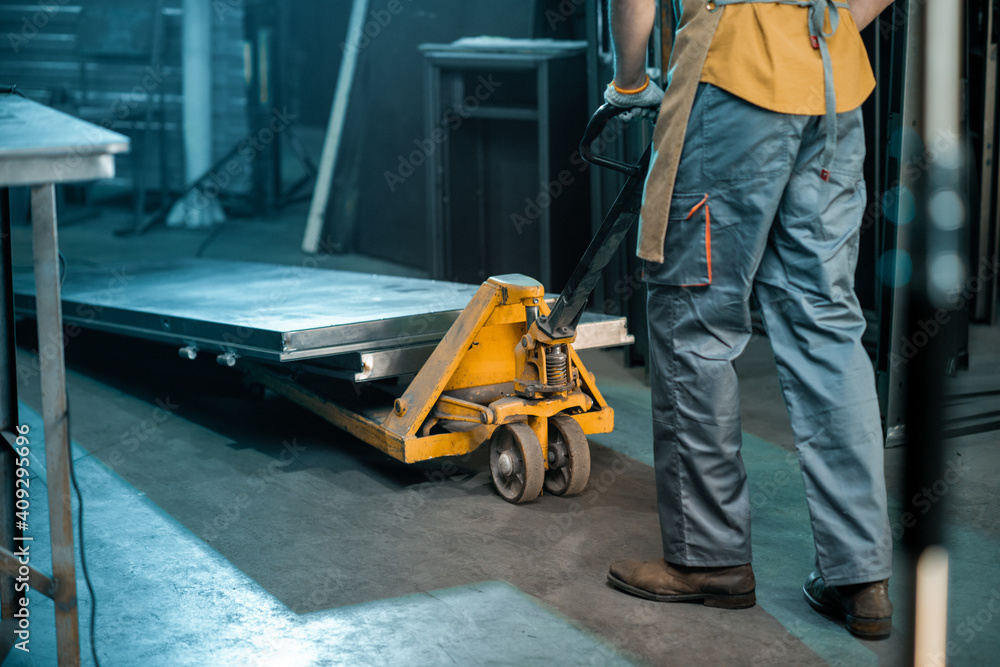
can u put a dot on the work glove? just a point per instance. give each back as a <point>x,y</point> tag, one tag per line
<point>641,103</point>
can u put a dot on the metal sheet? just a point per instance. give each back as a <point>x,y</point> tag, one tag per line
<point>594,331</point>
<point>278,313</point>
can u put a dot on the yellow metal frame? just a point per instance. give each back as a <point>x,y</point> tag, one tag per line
<point>489,345</point>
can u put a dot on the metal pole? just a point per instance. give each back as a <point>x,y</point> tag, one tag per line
<point>196,58</point>
<point>8,403</point>
<point>335,129</point>
<point>55,415</point>
<point>939,269</point>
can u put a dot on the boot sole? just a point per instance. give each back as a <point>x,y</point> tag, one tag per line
<point>742,601</point>
<point>866,628</point>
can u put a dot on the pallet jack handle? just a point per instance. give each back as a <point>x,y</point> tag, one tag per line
<point>595,128</point>
<point>565,314</point>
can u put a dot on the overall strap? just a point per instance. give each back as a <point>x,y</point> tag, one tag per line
<point>818,37</point>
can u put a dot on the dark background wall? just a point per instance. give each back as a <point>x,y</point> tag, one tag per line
<point>95,59</point>
<point>86,57</point>
<point>386,111</point>
<point>312,53</point>
<point>389,114</point>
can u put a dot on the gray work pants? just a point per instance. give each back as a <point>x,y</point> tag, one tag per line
<point>751,214</point>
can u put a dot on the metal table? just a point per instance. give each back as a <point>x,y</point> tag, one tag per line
<point>40,147</point>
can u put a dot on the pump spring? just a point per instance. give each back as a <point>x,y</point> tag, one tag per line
<point>557,366</point>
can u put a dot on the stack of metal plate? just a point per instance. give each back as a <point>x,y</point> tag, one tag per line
<point>363,325</point>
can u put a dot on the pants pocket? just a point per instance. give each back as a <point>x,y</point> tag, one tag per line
<point>742,141</point>
<point>687,249</point>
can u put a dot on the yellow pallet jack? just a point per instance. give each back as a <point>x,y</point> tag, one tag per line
<point>505,371</point>
<point>496,363</point>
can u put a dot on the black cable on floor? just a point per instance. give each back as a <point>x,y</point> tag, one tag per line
<point>83,553</point>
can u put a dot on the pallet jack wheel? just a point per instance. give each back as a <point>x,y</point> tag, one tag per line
<point>516,463</point>
<point>569,457</point>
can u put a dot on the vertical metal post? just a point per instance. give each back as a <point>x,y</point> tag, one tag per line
<point>55,415</point>
<point>436,170</point>
<point>939,270</point>
<point>544,171</point>
<point>985,299</point>
<point>994,256</point>
<point>335,129</point>
<point>8,402</point>
<point>894,349</point>
<point>196,58</point>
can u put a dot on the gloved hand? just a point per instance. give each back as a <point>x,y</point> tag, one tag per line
<point>642,103</point>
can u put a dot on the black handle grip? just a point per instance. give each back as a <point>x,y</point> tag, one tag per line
<point>595,127</point>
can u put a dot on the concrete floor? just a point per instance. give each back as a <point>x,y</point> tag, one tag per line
<point>233,530</point>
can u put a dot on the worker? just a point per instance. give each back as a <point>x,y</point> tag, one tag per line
<point>755,188</point>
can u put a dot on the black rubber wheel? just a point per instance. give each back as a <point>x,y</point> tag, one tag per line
<point>516,463</point>
<point>569,457</point>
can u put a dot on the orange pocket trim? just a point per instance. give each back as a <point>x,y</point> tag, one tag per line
<point>708,238</point>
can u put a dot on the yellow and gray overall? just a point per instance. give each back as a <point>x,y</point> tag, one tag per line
<point>744,201</point>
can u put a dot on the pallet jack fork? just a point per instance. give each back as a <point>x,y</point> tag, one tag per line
<point>505,371</point>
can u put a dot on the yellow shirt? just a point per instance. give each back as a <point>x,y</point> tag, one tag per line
<point>762,53</point>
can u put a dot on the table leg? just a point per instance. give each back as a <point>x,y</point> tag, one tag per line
<point>48,306</point>
<point>8,403</point>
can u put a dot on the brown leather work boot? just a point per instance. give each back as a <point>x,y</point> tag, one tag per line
<point>726,587</point>
<point>865,608</point>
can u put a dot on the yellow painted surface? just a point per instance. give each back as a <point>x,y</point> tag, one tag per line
<point>355,424</point>
<point>446,444</point>
<point>477,351</point>
<point>587,381</point>
<point>512,314</point>
<point>423,392</point>
<point>511,292</point>
<point>540,425</point>
<point>597,421</point>
<point>508,409</point>
<point>490,359</point>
